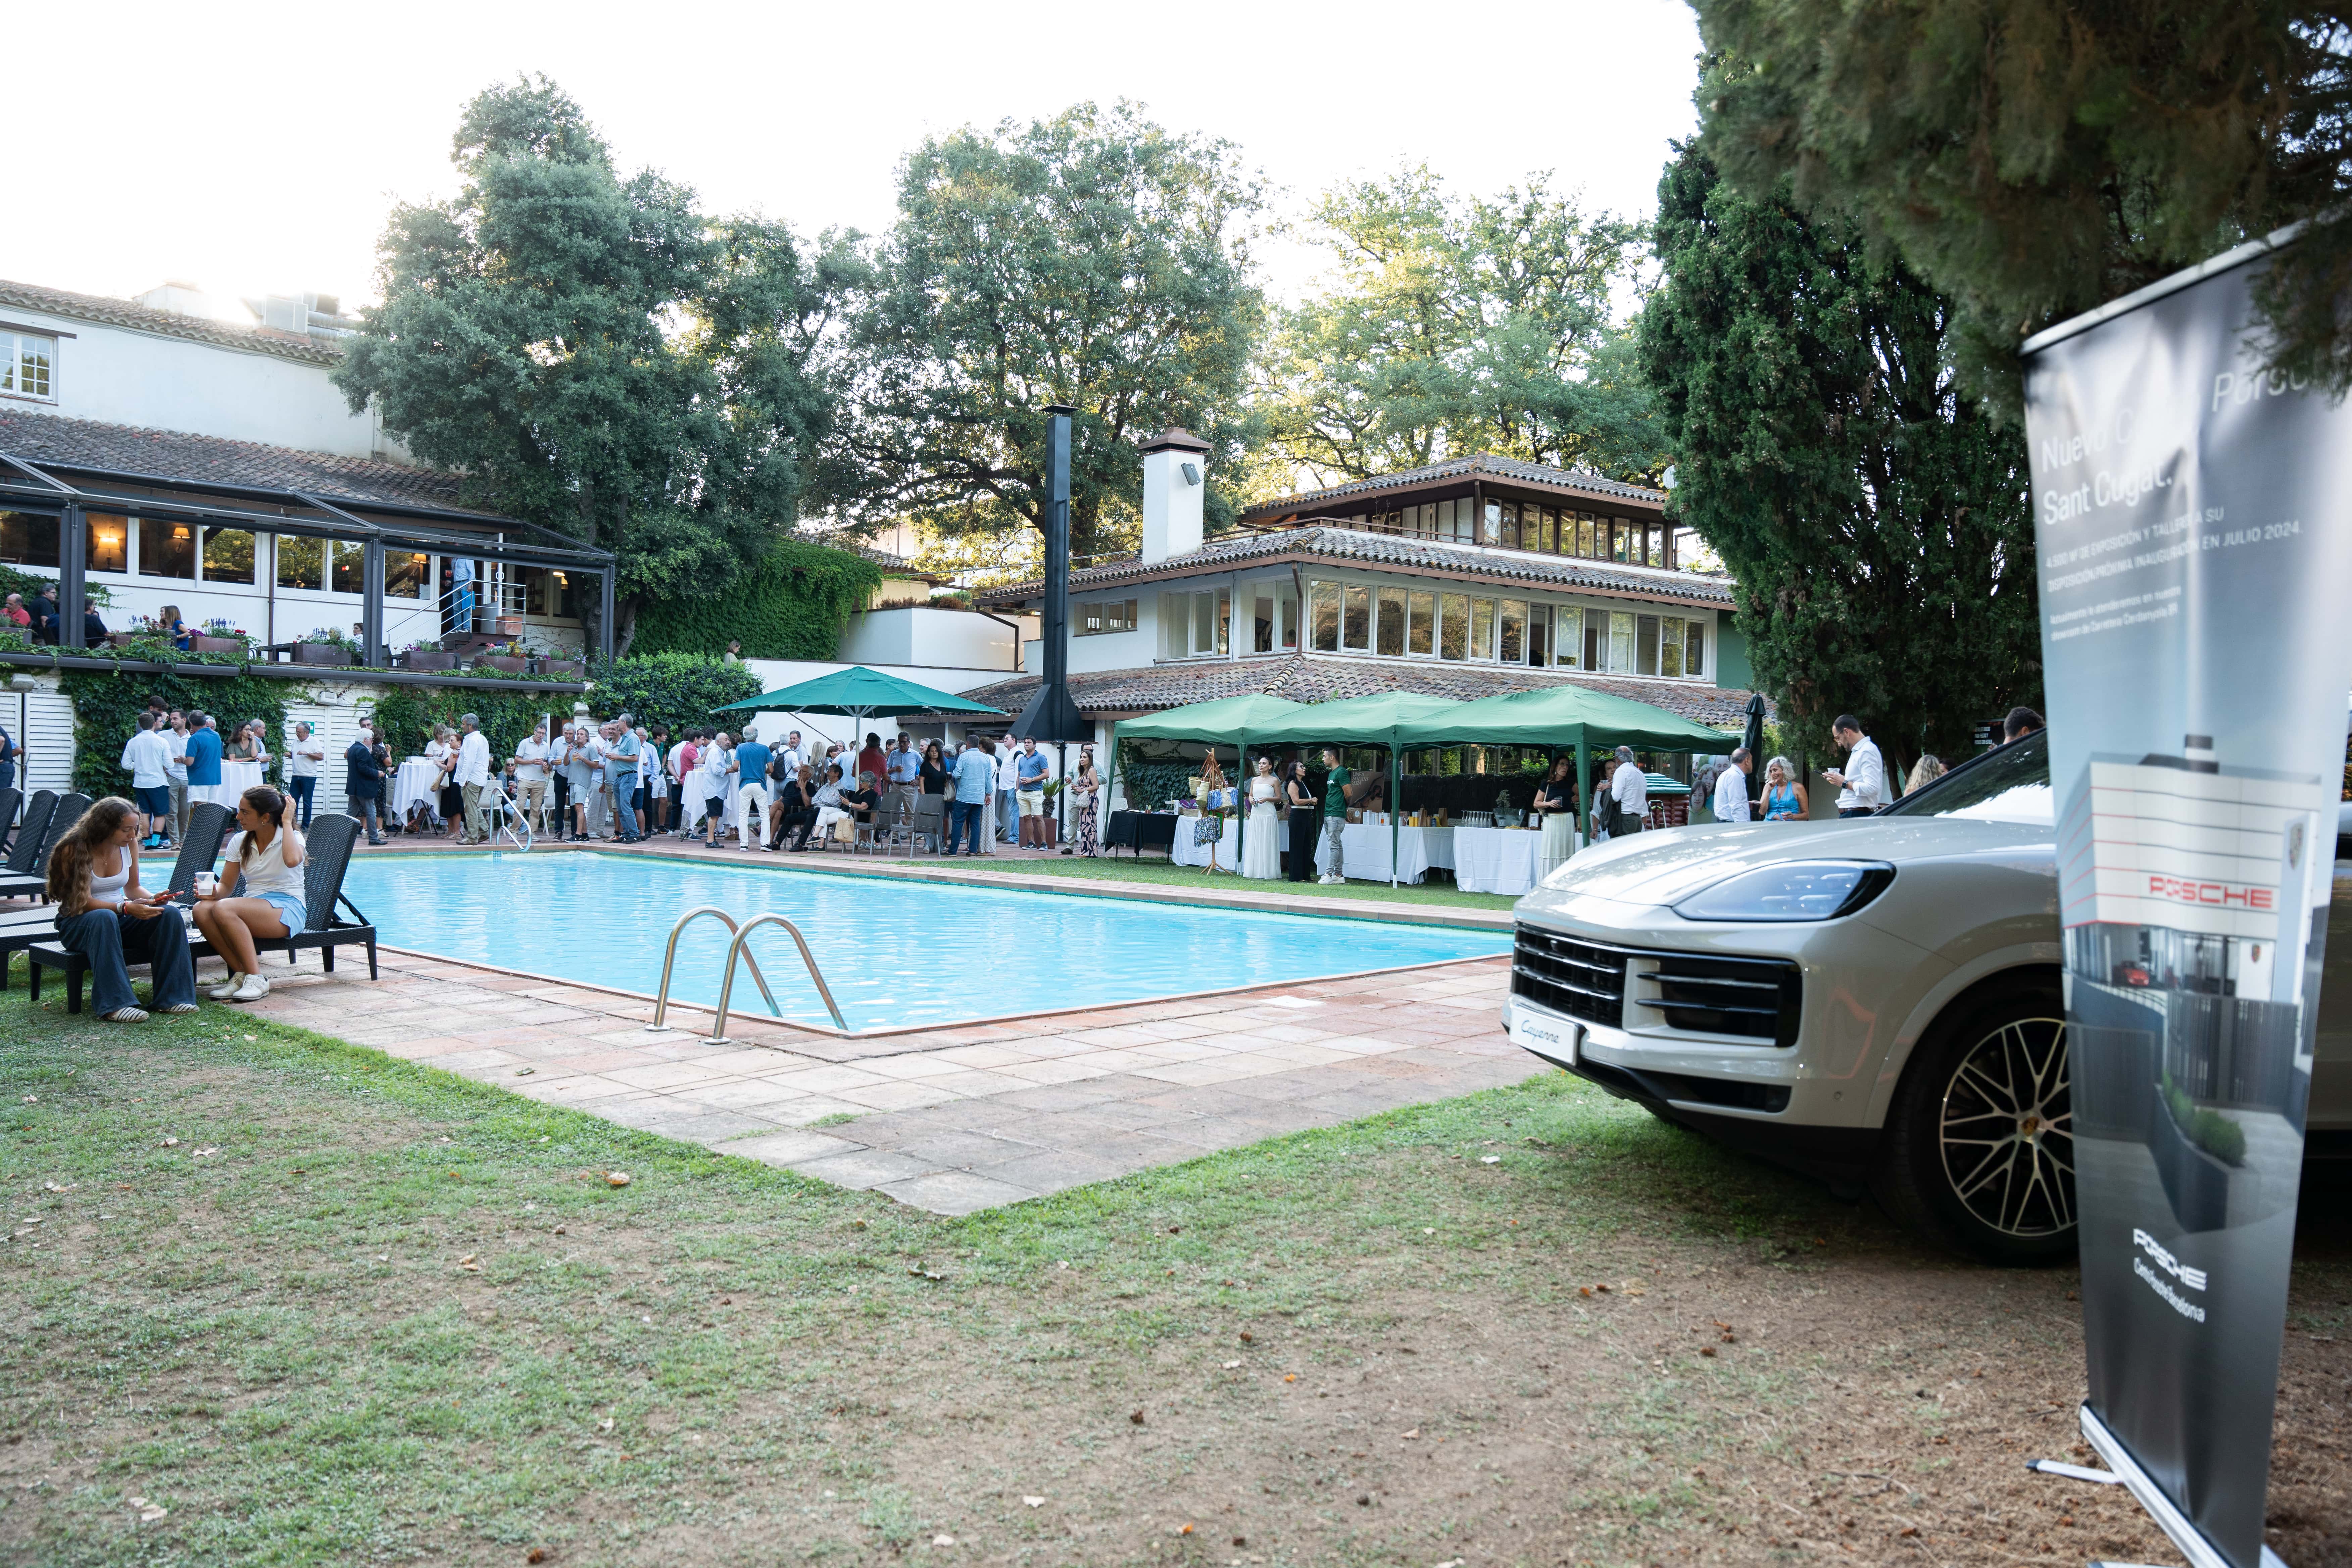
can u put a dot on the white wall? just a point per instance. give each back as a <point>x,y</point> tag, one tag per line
<point>915,636</point>
<point>122,376</point>
<point>777,673</point>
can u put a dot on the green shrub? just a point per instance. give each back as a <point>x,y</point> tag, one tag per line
<point>673,688</point>
<point>790,604</point>
<point>2209,1130</point>
<point>405,715</point>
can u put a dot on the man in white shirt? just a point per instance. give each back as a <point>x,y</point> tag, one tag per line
<point>173,733</point>
<point>146,758</point>
<point>529,764</point>
<point>302,759</point>
<point>790,754</point>
<point>1008,789</point>
<point>717,761</point>
<point>1731,787</point>
<point>472,775</point>
<point>1862,787</point>
<point>1629,790</point>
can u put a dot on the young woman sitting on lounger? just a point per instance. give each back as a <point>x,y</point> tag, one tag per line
<point>268,853</point>
<point>106,917</point>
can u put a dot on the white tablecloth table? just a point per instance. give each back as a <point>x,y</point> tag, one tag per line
<point>1364,850</point>
<point>1495,859</point>
<point>1186,852</point>
<point>235,779</point>
<point>412,782</point>
<point>697,782</point>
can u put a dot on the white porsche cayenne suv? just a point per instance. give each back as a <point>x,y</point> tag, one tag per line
<point>1874,1000</point>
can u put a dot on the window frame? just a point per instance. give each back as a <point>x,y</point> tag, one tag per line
<point>12,373</point>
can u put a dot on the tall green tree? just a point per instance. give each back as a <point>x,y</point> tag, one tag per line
<point>1452,327</point>
<point>1874,520</point>
<point>2035,158</point>
<point>598,356</point>
<point>1093,259</point>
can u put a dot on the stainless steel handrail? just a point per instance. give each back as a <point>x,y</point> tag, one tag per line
<point>661,996</point>
<point>727,980</point>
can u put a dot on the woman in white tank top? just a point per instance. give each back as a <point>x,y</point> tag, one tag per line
<point>268,853</point>
<point>103,914</point>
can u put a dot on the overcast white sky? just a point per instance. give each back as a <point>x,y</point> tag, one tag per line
<point>257,148</point>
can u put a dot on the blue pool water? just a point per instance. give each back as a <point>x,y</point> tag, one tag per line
<point>895,953</point>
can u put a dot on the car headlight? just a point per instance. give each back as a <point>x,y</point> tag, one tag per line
<point>1792,891</point>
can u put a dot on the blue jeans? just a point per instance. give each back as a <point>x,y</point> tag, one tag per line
<point>112,942</point>
<point>965,826</point>
<point>302,789</point>
<point>1008,814</point>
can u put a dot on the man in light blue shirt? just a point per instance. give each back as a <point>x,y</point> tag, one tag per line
<point>902,767</point>
<point>1030,770</point>
<point>620,775</point>
<point>975,787</point>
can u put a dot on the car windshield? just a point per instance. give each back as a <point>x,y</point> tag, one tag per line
<point>2011,785</point>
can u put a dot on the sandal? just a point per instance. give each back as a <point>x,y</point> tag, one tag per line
<point>126,1016</point>
<point>178,1008</point>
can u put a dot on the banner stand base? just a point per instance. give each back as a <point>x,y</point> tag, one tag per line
<point>2124,1471</point>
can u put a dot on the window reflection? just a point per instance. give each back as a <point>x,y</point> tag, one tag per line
<point>228,555</point>
<point>166,549</point>
<point>110,544</point>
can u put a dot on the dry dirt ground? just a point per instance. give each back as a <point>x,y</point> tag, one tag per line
<point>289,1301</point>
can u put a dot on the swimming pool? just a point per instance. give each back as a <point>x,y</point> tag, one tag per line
<point>895,953</point>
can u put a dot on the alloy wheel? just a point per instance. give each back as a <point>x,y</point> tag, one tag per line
<point>2006,1130</point>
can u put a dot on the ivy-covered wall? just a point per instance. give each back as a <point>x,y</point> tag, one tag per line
<point>792,604</point>
<point>674,690</point>
<point>107,702</point>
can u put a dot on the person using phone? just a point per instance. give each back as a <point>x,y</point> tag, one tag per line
<point>106,916</point>
<point>268,853</point>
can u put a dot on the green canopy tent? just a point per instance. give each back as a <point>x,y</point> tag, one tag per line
<point>1382,719</point>
<point>1234,720</point>
<point>1574,716</point>
<point>860,693</point>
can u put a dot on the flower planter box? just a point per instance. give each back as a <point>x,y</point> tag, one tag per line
<point>119,639</point>
<point>219,644</point>
<point>418,659</point>
<point>510,664</point>
<point>563,668</point>
<point>323,653</point>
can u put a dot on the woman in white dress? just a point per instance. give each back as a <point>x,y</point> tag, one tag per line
<point>1556,801</point>
<point>1262,840</point>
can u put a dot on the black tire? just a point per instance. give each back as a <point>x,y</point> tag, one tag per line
<point>1979,1153</point>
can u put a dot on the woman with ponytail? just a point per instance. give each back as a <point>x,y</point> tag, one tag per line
<point>268,852</point>
<point>106,917</point>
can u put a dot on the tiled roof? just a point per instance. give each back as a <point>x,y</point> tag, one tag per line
<point>87,445</point>
<point>1483,463</point>
<point>1310,678</point>
<point>146,319</point>
<point>1563,572</point>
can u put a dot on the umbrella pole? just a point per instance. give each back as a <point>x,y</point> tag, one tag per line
<point>1584,802</point>
<point>1240,804</point>
<point>1396,799</point>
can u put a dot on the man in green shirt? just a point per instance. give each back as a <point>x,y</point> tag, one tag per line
<point>1335,811</point>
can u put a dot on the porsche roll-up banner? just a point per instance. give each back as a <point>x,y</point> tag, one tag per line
<point>2193,522</point>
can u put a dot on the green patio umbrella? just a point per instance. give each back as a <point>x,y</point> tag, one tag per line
<point>858,692</point>
<point>1380,720</point>
<point>1235,720</point>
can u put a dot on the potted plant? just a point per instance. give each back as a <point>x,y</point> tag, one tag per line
<point>563,668</point>
<point>426,655</point>
<point>219,637</point>
<point>329,647</point>
<point>509,657</point>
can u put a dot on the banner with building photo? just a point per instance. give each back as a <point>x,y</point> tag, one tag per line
<point>2193,522</point>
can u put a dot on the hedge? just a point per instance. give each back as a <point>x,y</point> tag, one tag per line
<point>106,703</point>
<point>793,604</point>
<point>672,688</point>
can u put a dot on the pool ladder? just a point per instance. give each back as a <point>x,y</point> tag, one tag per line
<point>735,950</point>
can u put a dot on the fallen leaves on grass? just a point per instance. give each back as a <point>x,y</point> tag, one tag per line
<point>171,1142</point>
<point>617,1178</point>
<point>1034,1502</point>
<point>1136,1417</point>
<point>943,1541</point>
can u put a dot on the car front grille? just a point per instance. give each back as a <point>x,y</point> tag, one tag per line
<point>1746,998</point>
<point>1581,978</point>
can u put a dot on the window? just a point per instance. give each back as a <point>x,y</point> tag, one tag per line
<point>1356,617</point>
<point>1593,623</point>
<point>1657,531</point>
<point>1670,646</point>
<point>166,549</point>
<point>1390,632</point>
<point>1211,621</point>
<point>346,566</point>
<point>1424,518</point>
<point>1539,634</point>
<point>1454,628</point>
<point>1510,535</point>
<point>1513,620</point>
<point>228,555</point>
<point>549,594</point>
<point>1323,600</point>
<point>1286,602</point>
<point>1568,626</point>
<point>1262,626</point>
<point>1621,642</point>
<point>1646,645</point>
<point>404,575</point>
<point>301,562</point>
<point>1695,647</point>
<point>1118,615</point>
<point>108,543</point>
<point>1584,534</point>
<point>1491,529</point>
<point>1549,540</point>
<point>1621,540</point>
<point>29,538</point>
<point>1482,628</point>
<point>29,369</point>
<point>1422,632</point>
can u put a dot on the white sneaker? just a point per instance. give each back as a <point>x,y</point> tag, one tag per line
<point>253,989</point>
<point>224,991</point>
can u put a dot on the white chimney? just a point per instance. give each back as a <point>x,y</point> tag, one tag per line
<point>1175,485</point>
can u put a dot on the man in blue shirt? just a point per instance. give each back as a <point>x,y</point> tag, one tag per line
<point>203,761</point>
<point>975,787</point>
<point>621,777</point>
<point>1030,771</point>
<point>904,765</point>
<point>752,761</point>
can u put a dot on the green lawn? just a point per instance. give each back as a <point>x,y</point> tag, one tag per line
<point>1160,873</point>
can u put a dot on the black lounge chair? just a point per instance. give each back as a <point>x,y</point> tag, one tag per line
<point>327,855</point>
<point>21,929</point>
<point>34,881</point>
<point>10,799</point>
<point>30,833</point>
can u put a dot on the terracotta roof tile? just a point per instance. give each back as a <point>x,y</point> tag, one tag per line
<point>86,446</point>
<point>146,319</point>
<point>1580,479</point>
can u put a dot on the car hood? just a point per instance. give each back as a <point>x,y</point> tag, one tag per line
<point>1664,866</point>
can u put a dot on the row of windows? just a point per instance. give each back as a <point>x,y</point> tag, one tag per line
<point>30,367</point>
<point>1525,525</point>
<point>158,548</point>
<point>1118,615</point>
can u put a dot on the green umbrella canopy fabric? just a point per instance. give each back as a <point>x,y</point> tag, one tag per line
<point>860,693</point>
<point>1550,717</point>
<point>1374,721</point>
<point>1228,719</point>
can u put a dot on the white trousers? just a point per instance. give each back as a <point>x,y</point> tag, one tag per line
<point>751,813</point>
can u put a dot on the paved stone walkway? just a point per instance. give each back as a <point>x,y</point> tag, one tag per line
<point>951,1120</point>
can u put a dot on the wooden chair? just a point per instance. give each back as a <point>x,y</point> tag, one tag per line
<point>33,882</point>
<point>327,856</point>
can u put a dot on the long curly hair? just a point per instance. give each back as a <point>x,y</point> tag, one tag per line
<point>70,859</point>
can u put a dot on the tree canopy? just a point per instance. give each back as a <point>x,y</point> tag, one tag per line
<point>1875,522</point>
<point>1452,327</point>
<point>2036,158</point>
<point>1093,259</point>
<point>598,356</point>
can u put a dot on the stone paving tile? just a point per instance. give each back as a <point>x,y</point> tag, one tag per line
<point>886,1096</point>
<point>786,1148</point>
<point>1059,1071</point>
<point>956,1192</point>
<point>859,1169</point>
<point>751,1094</point>
<point>669,1075</point>
<point>966,1150</point>
<point>1054,1169</point>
